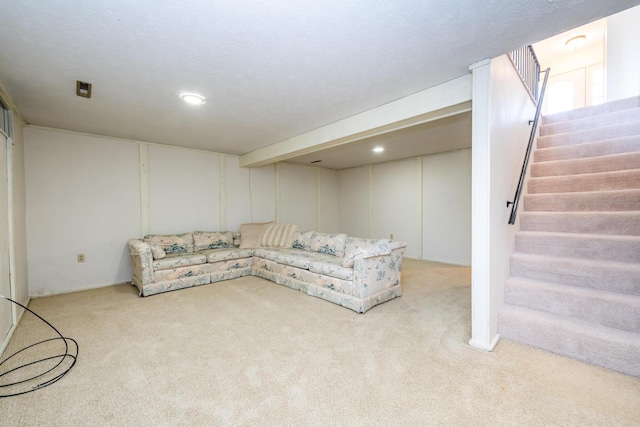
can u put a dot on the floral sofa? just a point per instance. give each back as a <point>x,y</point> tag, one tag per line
<point>352,272</point>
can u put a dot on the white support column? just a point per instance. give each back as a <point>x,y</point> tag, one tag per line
<point>481,334</point>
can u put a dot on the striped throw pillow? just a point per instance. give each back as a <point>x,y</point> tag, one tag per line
<point>277,235</point>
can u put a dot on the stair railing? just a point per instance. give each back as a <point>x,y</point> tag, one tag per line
<point>529,62</point>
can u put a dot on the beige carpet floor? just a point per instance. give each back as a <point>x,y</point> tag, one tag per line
<point>249,352</point>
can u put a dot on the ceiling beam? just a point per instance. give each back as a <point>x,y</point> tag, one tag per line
<point>446,99</point>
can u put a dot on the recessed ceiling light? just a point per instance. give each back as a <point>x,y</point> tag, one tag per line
<point>378,149</point>
<point>192,98</point>
<point>576,42</point>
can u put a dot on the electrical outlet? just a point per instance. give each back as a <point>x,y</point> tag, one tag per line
<point>391,236</point>
<point>80,257</point>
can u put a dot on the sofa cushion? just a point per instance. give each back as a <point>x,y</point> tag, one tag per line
<point>302,240</point>
<point>222,254</point>
<point>183,272</point>
<point>157,252</point>
<point>179,260</point>
<point>203,240</point>
<point>250,233</point>
<point>331,266</point>
<point>330,244</point>
<point>277,235</point>
<point>293,257</point>
<point>172,243</point>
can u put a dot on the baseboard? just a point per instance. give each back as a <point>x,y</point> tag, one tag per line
<point>439,261</point>
<point>68,291</point>
<point>492,345</point>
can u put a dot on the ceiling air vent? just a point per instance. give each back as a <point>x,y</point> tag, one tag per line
<point>83,89</point>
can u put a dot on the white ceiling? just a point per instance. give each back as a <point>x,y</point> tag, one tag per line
<point>270,70</point>
<point>438,136</point>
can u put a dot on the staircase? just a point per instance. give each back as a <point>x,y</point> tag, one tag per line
<point>575,274</point>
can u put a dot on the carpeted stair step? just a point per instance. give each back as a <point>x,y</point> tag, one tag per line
<point>604,308</point>
<point>615,117</point>
<point>589,342</point>
<point>609,163</point>
<point>623,223</point>
<point>590,135</point>
<point>617,200</point>
<point>629,144</point>
<point>611,276</point>
<point>585,246</point>
<point>593,110</point>
<point>601,181</point>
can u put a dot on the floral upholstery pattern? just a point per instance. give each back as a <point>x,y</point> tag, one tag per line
<point>203,240</point>
<point>302,240</point>
<point>352,272</point>
<point>331,267</point>
<point>294,257</point>
<point>356,247</point>
<point>214,255</point>
<point>179,260</point>
<point>157,252</point>
<point>172,285</point>
<point>172,243</point>
<point>330,244</point>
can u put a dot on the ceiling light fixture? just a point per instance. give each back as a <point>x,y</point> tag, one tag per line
<point>575,42</point>
<point>378,149</point>
<point>192,98</point>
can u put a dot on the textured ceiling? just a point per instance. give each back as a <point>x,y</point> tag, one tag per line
<point>270,70</point>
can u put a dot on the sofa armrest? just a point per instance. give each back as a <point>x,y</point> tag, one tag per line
<point>142,263</point>
<point>367,248</point>
<point>379,250</point>
<point>375,273</point>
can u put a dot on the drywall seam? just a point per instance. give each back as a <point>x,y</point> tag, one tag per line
<point>370,170</point>
<point>419,196</point>
<point>222,160</point>
<point>144,189</point>
<point>277,193</point>
<point>318,201</point>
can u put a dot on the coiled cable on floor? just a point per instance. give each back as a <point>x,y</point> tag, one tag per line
<point>36,376</point>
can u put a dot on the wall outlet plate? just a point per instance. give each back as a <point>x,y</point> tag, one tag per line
<point>80,257</point>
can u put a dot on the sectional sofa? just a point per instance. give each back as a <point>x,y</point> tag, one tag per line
<point>353,272</point>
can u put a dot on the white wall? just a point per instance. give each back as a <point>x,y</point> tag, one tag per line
<point>298,196</point>
<point>446,180</point>
<point>502,109</point>
<point>183,190</point>
<point>622,58</point>
<point>83,196</point>
<point>328,201</point>
<point>411,199</point>
<point>354,201</point>
<point>396,203</point>
<point>249,194</point>
<point>89,194</point>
